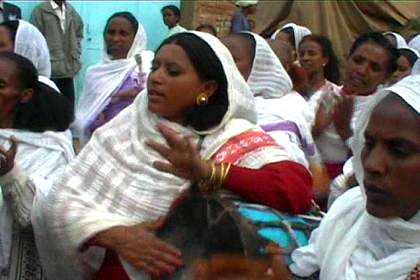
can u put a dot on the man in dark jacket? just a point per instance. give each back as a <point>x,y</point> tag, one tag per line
<point>62,27</point>
<point>9,11</point>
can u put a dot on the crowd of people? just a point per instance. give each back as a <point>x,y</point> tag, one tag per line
<point>230,157</point>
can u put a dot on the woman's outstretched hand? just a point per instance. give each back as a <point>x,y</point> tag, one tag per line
<point>182,154</point>
<point>7,157</point>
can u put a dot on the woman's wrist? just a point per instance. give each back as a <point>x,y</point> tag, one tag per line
<point>214,177</point>
<point>109,238</point>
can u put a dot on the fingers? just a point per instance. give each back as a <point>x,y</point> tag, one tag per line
<point>165,167</point>
<point>174,139</point>
<point>13,149</point>
<point>161,149</point>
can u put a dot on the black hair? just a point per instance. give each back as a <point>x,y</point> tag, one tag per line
<point>128,16</point>
<point>291,33</point>
<point>173,8</point>
<point>47,109</point>
<point>409,54</point>
<point>12,26</point>
<point>331,69</point>
<point>209,68</point>
<point>380,40</point>
<point>208,26</point>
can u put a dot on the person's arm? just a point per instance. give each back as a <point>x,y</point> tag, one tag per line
<point>79,31</point>
<point>138,246</point>
<point>285,186</point>
<point>36,19</point>
<point>20,191</point>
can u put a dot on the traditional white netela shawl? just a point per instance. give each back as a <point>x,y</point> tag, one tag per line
<point>298,31</point>
<point>277,106</point>
<point>268,78</point>
<point>415,43</point>
<point>43,157</point>
<point>113,181</point>
<point>30,43</point>
<point>401,43</point>
<point>350,243</point>
<point>106,77</point>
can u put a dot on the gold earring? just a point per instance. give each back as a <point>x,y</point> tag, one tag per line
<point>202,99</point>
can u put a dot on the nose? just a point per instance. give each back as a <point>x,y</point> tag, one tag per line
<point>362,68</point>
<point>155,77</point>
<point>375,161</point>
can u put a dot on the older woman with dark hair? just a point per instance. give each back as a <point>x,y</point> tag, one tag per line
<point>195,123</point>
<point>35,147</point>
<point>373,231</point>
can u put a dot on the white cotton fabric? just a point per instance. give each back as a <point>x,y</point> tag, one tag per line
<point>43,157</point>
<point>298,30</point>
<point>105,78</point>
<point>49,83</point>
<point>415,43</point>
<point>350,243</point>
<point>113,181</point>
<point>401,42</point>
<point>246,3</point>
<point>276,103</point>
<point>268,78</point>
<point>331,147</point>
<point>30,43</point>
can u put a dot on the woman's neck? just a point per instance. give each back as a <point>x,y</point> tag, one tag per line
<point>316,80</point>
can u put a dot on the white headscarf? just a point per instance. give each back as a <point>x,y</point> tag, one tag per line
<point>268,78</point>
<point>246,3</point>
<point>352,244</point>
<point>113,181</point>
<point>30,43</point>
<point>415,43</point>
<point>104,78</point>
<point>401,43</point>
<point>298,31</point>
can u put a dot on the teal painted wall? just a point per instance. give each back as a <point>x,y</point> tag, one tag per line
<point>95,13</point>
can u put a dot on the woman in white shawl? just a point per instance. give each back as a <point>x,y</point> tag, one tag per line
<point>112,84</point>
<point>292,34</point>
<point>23,38</point>
<point>280,109</point>
<point>371,61</point>
<point>198,102</point>
<point>34,149</point>
<point>373,232</point>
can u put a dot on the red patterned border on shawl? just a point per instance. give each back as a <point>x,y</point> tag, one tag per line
<point>241,145</point>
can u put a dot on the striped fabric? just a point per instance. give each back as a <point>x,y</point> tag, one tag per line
<point>268,77</point>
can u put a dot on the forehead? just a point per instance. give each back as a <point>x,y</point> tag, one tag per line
<point>372,52</point>
<point>7,70</point>
<point>172,53</point>
<point>310,44</point>
<point>120,23</point>
<point>393,112</point>
<point>168,12</point>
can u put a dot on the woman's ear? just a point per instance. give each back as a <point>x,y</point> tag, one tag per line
<point>210,87</point>
<point>27,95</point>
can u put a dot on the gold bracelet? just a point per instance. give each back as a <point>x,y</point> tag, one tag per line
<point>225,174</point>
